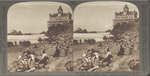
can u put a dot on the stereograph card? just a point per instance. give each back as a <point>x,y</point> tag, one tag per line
<point>79,38</point>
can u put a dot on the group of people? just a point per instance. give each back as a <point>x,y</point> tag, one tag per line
<point>89,41</point>
<point>90,55</point>
<point>30,61</point>
<point>11,44</point>
<point>86,41</point>
<point>27,61</point>
<point>24,43</point>
<point>90,59</point>
<point>94,60</point>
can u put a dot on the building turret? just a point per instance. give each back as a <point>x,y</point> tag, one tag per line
<point>60,11</point>
<point>125,9</point>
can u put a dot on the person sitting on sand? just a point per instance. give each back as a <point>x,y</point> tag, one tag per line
<point>24,55</point>
<point>108,52</point>
<point>23,65</point>
<point>95,58</point>
<point>44,54</point>
<point>31,61</point>
<point>31,56</point>
<point>57,52</point>
<point>121,52</point>
<point>19,56</point>
<point>89,53</point>
<point>96,55</point>
<point>25,61</point>
<point>44,59</point>
<point>109,57</point>
<point>84,54</point>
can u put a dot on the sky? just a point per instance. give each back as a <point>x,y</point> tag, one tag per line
<point>32,17</point>
<point>98,16</point>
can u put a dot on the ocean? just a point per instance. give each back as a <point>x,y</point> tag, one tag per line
<point>31,38</point>
<point>97,36</point>
<point>76,36</point>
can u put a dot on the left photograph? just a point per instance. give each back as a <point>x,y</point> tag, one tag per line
<point>39,37</point>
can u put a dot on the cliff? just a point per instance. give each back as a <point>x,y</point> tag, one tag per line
<point>127,35</point>
<point>61,36</point>
<point>55,30</point>
<point>122,28</point>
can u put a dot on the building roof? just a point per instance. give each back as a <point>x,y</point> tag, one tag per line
<point>126,7</point>
<point>60,7</point>
<point>62,15</point>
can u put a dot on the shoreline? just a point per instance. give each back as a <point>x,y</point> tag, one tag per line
<point>31,38</point>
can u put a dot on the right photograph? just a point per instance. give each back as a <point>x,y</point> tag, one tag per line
<point>106,36</point>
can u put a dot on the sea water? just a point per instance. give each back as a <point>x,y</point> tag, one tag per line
<point>96,36</point>
<point>31,38</point>
<point>76,36</point>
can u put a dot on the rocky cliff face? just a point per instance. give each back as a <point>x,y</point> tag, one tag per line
<point>61,35</point>
<point>55,30</point>
<point>127,35</point>
<point>123,27</point>
<point>62,38</point>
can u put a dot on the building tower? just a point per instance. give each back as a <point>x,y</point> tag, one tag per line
<point>60,11</point>
<point>125,10</point>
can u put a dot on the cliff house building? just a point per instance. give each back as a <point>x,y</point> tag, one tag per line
<point>125,16</point>
<point>59,18</point>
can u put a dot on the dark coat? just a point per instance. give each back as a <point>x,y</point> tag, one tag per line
<point>121,52</point>
<point>57,53</point>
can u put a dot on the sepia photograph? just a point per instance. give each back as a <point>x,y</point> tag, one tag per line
<point>39,37</point>
<point>106,36</point>
<point>49,37</point>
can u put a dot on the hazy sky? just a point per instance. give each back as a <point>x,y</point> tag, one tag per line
<point>32,17</point>
<point>97,16</point>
